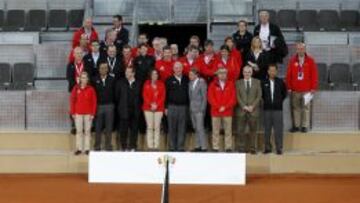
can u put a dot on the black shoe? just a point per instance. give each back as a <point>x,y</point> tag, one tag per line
<point>294,130</point>
<point>87,152</point>
<point>242,151</point>
<point>203,150</point>
<point>279,152</point>
<point>77,152</point>
<point>197,149</point>
<point>73,131</point>
<point>267,151</point>
<point>252,152</point>
<point>304,130</point>
<point>228,151</point>
<point>215,150</point>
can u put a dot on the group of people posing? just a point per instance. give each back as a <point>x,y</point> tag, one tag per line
<point>118,87</point>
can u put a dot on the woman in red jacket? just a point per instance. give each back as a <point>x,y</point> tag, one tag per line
<point>153,107</point>
<point>83,108</point>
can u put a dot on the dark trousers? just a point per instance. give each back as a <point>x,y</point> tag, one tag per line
<point>177,117</point>
<point>247,140</point>
<point>273,119</point>
<point>129,126</point>
<point>104,121</point>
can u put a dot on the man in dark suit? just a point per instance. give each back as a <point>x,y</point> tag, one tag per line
<point>242,38</point>
<point>122,36</point>
<point>127,95</point>
<point>92,60</point>
<point>176,104</point>
<point>274,93</point>
<point>271,37</point>
<point>114,62</point>
<point>104,85</point>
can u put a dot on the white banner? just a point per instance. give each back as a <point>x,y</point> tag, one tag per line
<point>185,168</point>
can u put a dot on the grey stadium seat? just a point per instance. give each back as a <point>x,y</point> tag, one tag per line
<point>5,75</point>
<point>23,75</point>
<point>75,18</point>
<point>323,76</point>
<point>57,20</point>
<point>36,20</point>
<point>349,20</point>
<point>1,18</point>
<point>287,18</point>
<point>307,20</point>
<point>340,76</point>
<point>15,20</point>
<point>328,20</point>
<point>355,72</point>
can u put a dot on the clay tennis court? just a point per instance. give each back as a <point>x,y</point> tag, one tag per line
<point>260,188</point>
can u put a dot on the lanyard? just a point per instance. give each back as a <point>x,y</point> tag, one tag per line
<point>79,68</point>
<point>111,64</point>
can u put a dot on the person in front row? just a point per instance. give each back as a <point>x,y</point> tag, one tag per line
<point>301,78</point>
<point>248,93</point>
<point>105,86</point>
<point>83,104</point>
<point>177,101</point>
<point>153,107</point>
<point>198,102</point>
<point>273,93</point>
<point>222,99</point>
<point>127,96</point>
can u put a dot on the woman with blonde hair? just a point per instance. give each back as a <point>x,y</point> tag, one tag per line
<point>83,104</point>
<point>258,59</point>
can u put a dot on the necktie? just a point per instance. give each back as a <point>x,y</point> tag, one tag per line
<point>247,87</point>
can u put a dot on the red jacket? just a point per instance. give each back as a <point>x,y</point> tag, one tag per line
<point>237,55</point>
<point>83,101</point>
<point>218,97</point>
<point>165,69</point>
<point>309,79</point>
<point>206,67</point>
<point>77,35</point>
<point>187,66</point>
<point>135,51</point>
<point>154,95</point>
<point>233,67</point>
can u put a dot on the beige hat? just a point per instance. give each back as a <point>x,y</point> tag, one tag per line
<point>221,70</point>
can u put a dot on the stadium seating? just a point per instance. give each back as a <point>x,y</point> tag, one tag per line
<point>15,20</point>
<point>23,75</point>
<point>340,76</point>
<point>328,20</point>
<point>5,75</point>
<point>57,20</point>
<point>307,20</point>
<point>355,71</point>
<point>287,18</point>
<point>36,20</point>
<point>323,76</point>
<point>349,20</point>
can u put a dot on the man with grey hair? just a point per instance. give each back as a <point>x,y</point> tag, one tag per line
<point>271,37</point>
<point>248,93</point>
<point>176,107</point>
<point>87,29</point>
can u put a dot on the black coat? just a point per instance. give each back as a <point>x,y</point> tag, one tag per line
<point>89,62</point>
<point>281,50</point>
<point>70,74</point>
<point>103,48</point>
<point>105,94</point>
<point>177,94</point>
<point>143,65</point>
<point>118,70</point>
<point>122,37</point>
<point>122,100</point>
<point>262,61</point>
<point>280,93</point>
<point>243,43</point>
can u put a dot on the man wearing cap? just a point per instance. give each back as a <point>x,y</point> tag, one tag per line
<point>222,98</point>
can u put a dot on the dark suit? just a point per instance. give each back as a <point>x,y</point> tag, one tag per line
<point>122,38</point>
<point>116,68</point>
<point>281,50</point>
<point>70,74</point>
<point>262,61</point>
<point>243,42</point>
<point>128,107</point>
<point>90,62</point>
<point>105,111</point>
<point>273,115</point>
<point>143,65</point>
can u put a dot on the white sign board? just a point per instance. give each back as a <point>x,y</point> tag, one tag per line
<point>188,168</point>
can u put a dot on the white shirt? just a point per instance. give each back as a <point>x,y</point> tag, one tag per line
<point>222,85</point>
<point>195,83</point>
<point>95,57</point>
<point>178,78</point>
<point>272,89</point>
<point>246,82</point>
<point>264,35</point>
<point>224,60</point>
<point>131,82</point>
<point>301,60</point>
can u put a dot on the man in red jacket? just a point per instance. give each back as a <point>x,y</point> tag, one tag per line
<point>230,63</point>
<point>222,98</point>
<point>165,65</point>
<point>86,29</point>
<point>190,60</point>
<point>206,61</point>
<point>142,39</point>
<point>302,81</point>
